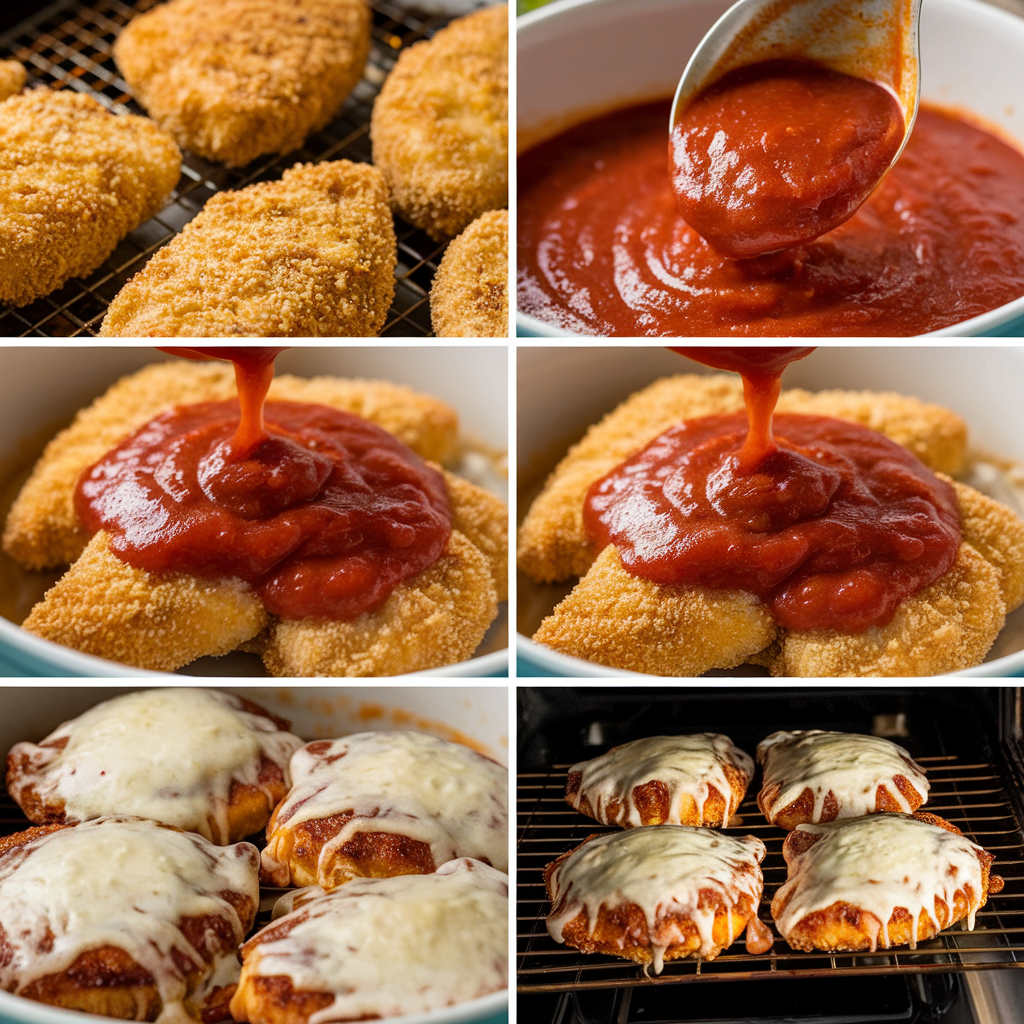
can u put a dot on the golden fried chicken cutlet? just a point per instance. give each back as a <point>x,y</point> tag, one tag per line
<point>12,78</point>
<point>615,618</point>
<point>440,125</point>
<point>234,79</point>
<point>104,607</point>
<point>74,180</point>
<point>310,255</point>
<point>469,297</point>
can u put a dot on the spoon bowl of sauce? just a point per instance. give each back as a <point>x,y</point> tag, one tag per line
<point>788,115</point>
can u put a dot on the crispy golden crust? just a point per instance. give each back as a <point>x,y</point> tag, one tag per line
<point>42,529</point>
<point>654,801</point>
<point>801,810</point>
<point>233,79</point>
<point>440,125</point>
<point>310,255</point>
<point>483,518</point>
<point>842,927</point>
<point>617,619</point>
<point>12,78</point>
<point>436,618</point>
<point>366,855</point>
<point>75,180</point>
<point>469,296</point>
<point>998,536</point>
<point>274,1000</point>
<point>103,606</point>
<point>553,544</point>
<point>946,627</point>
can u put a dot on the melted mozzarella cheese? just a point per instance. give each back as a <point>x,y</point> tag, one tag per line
<point>121,882</point>
<point>877,863</point>
<point>687,765</point>
<point>662,869</point>
<point>169,755</point>
<point>440,793</point>
<point>390,946</point>
<point>850,766</point>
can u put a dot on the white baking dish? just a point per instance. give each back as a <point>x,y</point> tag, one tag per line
<point>41,387</point>
<point>564,390</point>
<point>478,714</point>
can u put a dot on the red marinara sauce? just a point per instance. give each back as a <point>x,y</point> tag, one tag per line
<point>321,511</point>
<point>832,526</point>
<point>603,248</point>
<point>777,153</point>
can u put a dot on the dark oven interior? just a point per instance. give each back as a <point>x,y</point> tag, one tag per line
<point>967,739</point>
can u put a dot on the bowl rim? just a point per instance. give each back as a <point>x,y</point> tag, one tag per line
<point>28,1011</point>
<point>993,319</point>
<point>53,655</point>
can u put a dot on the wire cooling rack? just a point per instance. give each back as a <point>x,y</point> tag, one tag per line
<point>970,795</point>
<point>68,45</point>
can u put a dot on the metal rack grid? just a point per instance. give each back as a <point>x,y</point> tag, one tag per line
<point>68,45</point>
<point>970,795</point>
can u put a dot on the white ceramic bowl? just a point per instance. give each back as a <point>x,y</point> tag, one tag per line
<point>479,713</point>
<point>563,390</point>
<point>577,58</point>
<point>43,386</point>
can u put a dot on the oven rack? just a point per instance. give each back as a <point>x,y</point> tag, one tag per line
<point>68,45</point>
<point>969,794</point>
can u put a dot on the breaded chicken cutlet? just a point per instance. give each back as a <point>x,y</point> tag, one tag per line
<point>74,180</point>
<point>617,619</point>
<point>12,78</point>
<point>440,125</point>
<point>234,79</point>
<point>105,607</point>
<point>310,255</point>
<point>469,296</point>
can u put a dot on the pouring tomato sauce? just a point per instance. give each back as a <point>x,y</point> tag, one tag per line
<point>829,523</point>
<point>321,511</point>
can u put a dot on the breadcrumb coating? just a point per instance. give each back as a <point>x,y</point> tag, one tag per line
<point>104,607</point>
<point>440,125</point>
<point>436,618</point>
<point>233,79</point>
<point>311,255</point>
<point>469,296</point>
<point>42,529</point>
<point>946,627</point>
<point>12,78</point>
<point>553,544</point>
<point>483,519</point>
<point>616,619</point>
<point>74,180</point>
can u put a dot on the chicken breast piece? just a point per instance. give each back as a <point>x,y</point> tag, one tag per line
<point>104,607</point>
<point>437,617</point>
<point>12,78</point>
<point>469,297</point>
<point>440,125</point>
<point>74,180</point>
<point>310,255</point>
<point>234,79</point>
<point>42,528</point>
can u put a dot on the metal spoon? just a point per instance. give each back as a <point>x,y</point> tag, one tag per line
<point>877,40</point>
